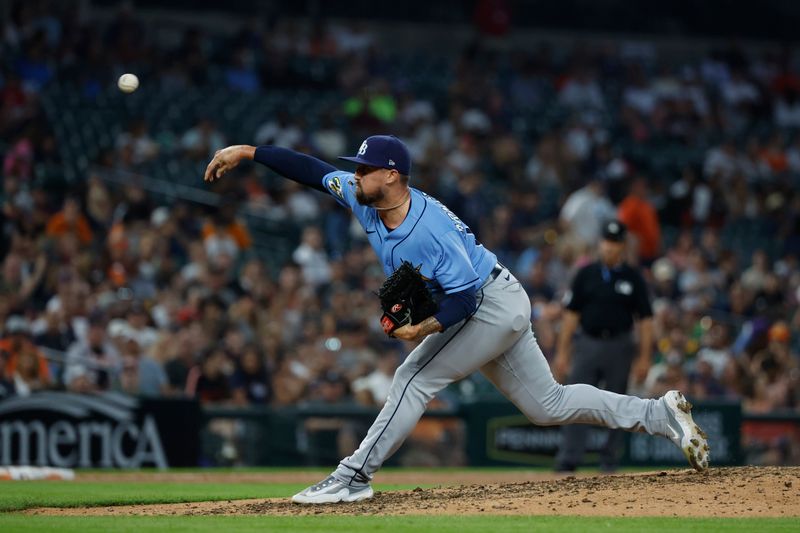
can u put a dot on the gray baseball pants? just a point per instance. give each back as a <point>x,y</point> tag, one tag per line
<point>498,341</point>
<point>597,361</point>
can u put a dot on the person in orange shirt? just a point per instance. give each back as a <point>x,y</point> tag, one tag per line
<point>70,220</point>
<point>18,351</point>
<point>639,215</point>
<point>224,233</point>
<point>774,154</point>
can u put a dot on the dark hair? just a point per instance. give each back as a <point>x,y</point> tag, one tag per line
<point>214,349</point>
<point>212,300</point>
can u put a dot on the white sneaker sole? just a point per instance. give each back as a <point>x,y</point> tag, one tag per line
<point>336,497</point>
<point>694,442</point>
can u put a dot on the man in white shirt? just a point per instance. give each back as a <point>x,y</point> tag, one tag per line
<point>585,211</point>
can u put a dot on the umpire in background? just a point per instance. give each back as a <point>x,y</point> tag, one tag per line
<point>605,298</point>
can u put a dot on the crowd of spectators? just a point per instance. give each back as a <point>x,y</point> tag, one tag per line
<point>108,287</point>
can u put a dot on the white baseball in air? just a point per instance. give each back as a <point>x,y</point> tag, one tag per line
<point>128,83</point>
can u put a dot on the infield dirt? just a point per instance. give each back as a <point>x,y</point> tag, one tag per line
<point>722,492</point>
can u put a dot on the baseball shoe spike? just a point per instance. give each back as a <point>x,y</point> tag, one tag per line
<point>684,432</point>
<point>331,490</point>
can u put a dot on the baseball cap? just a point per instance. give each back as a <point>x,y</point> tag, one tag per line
<point>384,151</point>
<point>614,230</point>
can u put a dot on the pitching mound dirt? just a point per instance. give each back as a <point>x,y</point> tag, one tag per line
<point>394,477</point>
<point>723,492</point>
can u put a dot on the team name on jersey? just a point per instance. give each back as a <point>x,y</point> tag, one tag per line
<point>460,226</point>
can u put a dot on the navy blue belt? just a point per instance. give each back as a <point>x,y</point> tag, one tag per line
<point>498,268</point>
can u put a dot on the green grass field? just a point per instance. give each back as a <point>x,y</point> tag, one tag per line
<point>439,524</point>
<point>16,496</point>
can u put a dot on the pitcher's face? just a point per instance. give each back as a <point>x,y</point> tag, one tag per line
<point>370,182</point>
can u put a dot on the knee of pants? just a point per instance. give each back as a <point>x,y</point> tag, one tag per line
<point>549,410</point>
<point>404,373</point>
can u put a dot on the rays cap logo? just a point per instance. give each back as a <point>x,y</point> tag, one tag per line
<point>384,151</point>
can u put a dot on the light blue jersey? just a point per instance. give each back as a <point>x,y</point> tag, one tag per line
<point>431,237</point>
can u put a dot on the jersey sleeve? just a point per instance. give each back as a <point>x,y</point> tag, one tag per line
<point>453,270</point>
<point>342,186</point>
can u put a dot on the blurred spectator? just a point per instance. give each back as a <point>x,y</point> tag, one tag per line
<point>99,207</point>
<point>585,211</point>
<point>55,333</point>
<point>331,388</point>
<point>311,257</point>
<point>373,388</point>
<point>639,95</point>
<point>70,221</point>
<point>92,364</point>
<point>138,322</point>
<point>716,351</point>
<point>721,161</point>
<point>537,286</point>
<point>755,277</point>
<point>240,74</point>
<point>696,283</point>
<point>181,362</point>
<point>211,315</point>
<point>352,38</point>
<point>328,139</point>
<point>140,374</point>
<point>637,212</point>
<point>664,273</point>
<point>136,146</point>
<point>772,384</point>
<point>202,140</point>
<point>251,382</point>
<point>209,381</point>
<point>25,366</point>
<point>280,131</point>
<point>224,235</point>
<point>738,91</point>
<point>582,92</point>
<point>23,273</point>
<point>18,161</point>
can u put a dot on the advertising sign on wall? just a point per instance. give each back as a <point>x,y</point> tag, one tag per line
<point>108,430</point>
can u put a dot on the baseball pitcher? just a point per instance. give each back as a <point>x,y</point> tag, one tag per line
<point>481,320</point>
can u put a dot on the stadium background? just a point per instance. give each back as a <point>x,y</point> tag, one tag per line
<point>122,271</point>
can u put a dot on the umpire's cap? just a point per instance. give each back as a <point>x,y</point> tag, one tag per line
<point>614,230</point>
<point>384,151</point>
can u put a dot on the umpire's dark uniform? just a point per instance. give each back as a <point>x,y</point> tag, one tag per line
<point>606,296</point>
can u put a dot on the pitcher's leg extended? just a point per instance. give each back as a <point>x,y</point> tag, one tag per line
<point>523,375</point>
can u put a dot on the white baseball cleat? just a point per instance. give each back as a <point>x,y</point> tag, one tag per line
<point>331,490</point>
<point>683,431</point>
